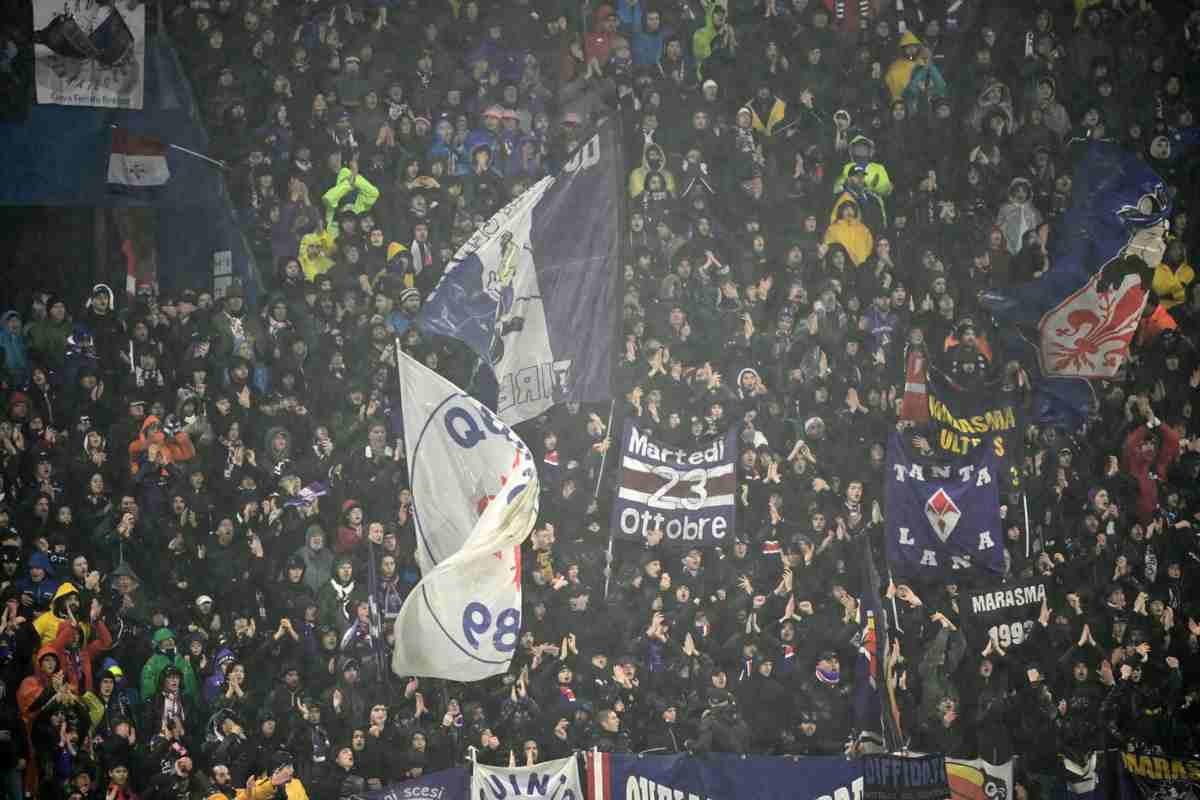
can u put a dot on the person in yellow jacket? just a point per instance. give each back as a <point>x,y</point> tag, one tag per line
<point>259,787</point>
<point>47,623</point>
<point>1171,277</point>
<point>654,159</point>
<point>317,248</point>
<point>912,77</point>
<point>767,110</point>
<point>862,151</point>
<point>849,231</point>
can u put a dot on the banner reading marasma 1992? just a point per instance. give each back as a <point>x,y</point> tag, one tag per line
<point>688,494</point>
<point>90,52</point>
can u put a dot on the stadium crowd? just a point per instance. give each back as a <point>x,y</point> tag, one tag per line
<point>815,189</point>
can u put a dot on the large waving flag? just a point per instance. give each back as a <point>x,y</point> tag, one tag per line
<point>475,499</point>
<point>534,292</point>
<point>1076,320</point>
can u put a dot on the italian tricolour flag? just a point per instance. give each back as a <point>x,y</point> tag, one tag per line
<point>137,160</point>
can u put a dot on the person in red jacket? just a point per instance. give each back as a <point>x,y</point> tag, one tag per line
<point>74,655</point>
<point>352,529</point>
<point>1150,450</point>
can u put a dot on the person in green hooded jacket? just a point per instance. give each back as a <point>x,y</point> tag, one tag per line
<point>166,655</point>
<point>48,337</point>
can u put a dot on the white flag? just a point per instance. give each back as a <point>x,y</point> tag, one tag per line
<point>475,499</point>
<point>552,780</point>
<point>137,160</point>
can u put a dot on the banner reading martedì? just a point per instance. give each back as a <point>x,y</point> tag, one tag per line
<point>90,53</point>
<point>688,494</point>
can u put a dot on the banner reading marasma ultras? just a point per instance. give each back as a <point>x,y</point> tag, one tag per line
<point>963,420</point>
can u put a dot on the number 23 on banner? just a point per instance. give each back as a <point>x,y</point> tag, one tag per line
<point>478,620</point>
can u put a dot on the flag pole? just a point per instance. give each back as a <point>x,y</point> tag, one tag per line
<point>193,153</point>
<point>604,456</point>
<point>608,560</point>
<point>1028,530</point>
<point>201,156</point>
<point>895,613</point>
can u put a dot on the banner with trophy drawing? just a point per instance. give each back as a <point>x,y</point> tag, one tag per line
<point>90,52</point>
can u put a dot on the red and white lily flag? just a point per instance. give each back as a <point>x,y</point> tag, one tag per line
<point>137,160</point>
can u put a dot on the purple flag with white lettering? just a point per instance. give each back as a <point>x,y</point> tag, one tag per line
<point>943,516</point>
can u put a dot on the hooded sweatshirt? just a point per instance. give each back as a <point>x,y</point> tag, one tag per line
<point>47,623</point>
<point>16,355</point>
<point>160,661</point>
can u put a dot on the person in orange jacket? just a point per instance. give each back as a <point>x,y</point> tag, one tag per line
<point>158,446</point>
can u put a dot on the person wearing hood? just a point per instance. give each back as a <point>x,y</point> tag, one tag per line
<point>291,593</point>
<point>110,699</point>
<point>1173,275</point>
<point>317,558</point>
<point>108,332</point>
<point>1018,214</point>
<point>46,689</point>
<point>165,655</point>
<point>40,584</point>
<point>1045,98</point>
<point>856,188</point>
<point>48,337</point>
<point>15,353</point>
<point>161,444</point>
<point>995,95</point>
<point>76,654</point>
<point>352,530</point>
<point>63,610</point>
<point>912,77</point>
<point>339,592</point>
<point>875,174</point>
<point>214,684</point>
<point>848,230</point>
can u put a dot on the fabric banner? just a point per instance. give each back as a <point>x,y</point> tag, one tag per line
<point>1075,320</point>
<point>446,784</point>
<point>534,292</point>
<point>722,776</point>
<point>1153,777</point>
<point>888,777</point>
<point>475,499</point>
<point>1006,612</point>
<point>688,494</point>
<point>964,419</point>
<point>943,516</point>
<point>90,52</point>
<point>876,717</point>
<point>979,780</point>
<point>553,780</point>
<point>137,160</point>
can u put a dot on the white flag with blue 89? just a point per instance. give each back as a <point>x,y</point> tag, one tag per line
<point>475,499</point>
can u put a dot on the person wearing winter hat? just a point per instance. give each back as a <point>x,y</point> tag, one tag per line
<point>165,656</point>
<point>38,588</point>
<point>338,593</point>
<point>13,349</point>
